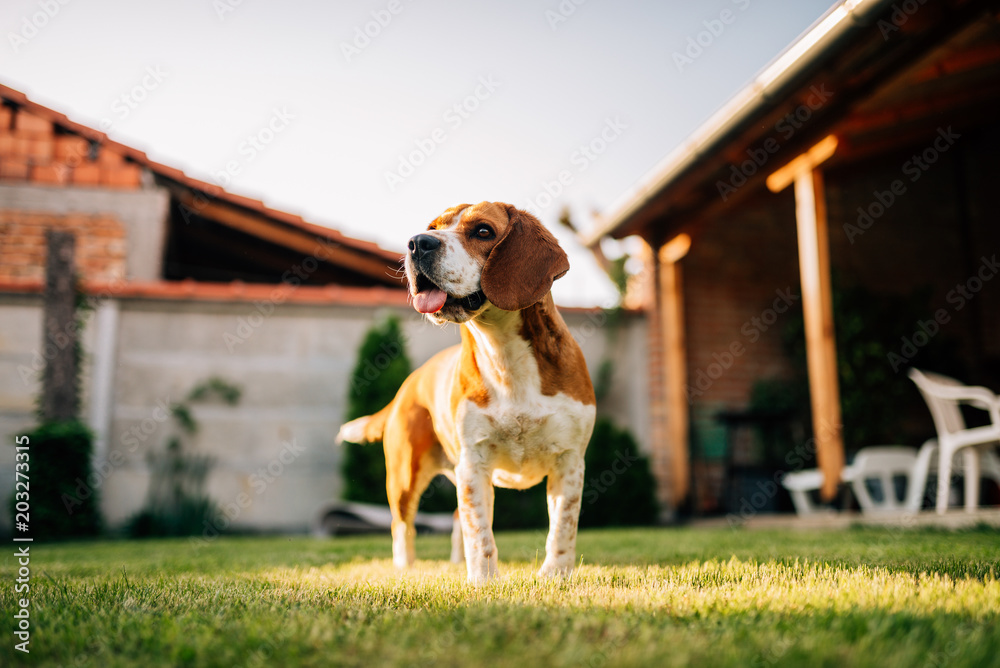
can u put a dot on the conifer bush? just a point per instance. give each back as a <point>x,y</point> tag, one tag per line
<point>381,368</point>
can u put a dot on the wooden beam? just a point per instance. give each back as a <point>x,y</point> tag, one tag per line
<point>675,365</point>
<point>299,240</point>
<point>805,162</point>
<point>821,348</point>
<point>817,305</point>
<point>926,112</point>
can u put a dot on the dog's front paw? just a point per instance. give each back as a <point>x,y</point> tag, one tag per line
<point>560,568</point>
<point>481,564</point>
<point>482,576</point>
<point>480,580</point>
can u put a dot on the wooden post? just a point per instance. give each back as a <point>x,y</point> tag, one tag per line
<point>817,306</point>
<point>821,347</point>
<point>675,362</point>
<point>60,393</point>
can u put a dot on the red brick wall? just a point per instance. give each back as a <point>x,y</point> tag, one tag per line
<point>738,267</point>
<point>729,276</point>
<point>33,150</point>
<point>100,245</point>
<point>736,270</point>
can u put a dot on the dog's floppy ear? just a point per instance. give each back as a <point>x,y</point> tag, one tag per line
<point>521,267</point>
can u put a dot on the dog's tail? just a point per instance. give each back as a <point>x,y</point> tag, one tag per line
<point>367,429</point>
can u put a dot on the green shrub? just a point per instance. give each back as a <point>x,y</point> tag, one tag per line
<point>619,488</point>
<point>381,368</point>
<point>64,499</point>
<point>520,509</point>
<point>878,403</point>
<point>512,508</point>
<point>176,504</point>
<point>62,488</point>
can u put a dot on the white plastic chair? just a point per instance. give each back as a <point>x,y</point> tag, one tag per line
<point>944,397</point>
<point>927,463</point>
<point>799,484</point>
<point>883,463</point>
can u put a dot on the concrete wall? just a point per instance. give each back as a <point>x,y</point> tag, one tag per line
<point>275,459</point>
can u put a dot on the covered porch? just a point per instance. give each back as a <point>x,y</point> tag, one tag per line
<point>855,171</point>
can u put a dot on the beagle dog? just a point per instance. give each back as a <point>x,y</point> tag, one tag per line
<point>509,406</point>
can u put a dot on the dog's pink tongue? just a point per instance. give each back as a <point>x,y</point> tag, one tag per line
<point>429,301</point>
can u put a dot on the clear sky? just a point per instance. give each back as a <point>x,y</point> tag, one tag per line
<point>374,116</point>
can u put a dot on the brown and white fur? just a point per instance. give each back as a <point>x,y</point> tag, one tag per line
<point>509,406</point>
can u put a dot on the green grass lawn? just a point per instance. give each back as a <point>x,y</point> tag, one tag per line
<point>642,597</point>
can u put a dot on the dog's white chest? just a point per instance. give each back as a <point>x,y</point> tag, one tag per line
<point>520,441</point>
<point>516,428</point>
<point>519,434</point>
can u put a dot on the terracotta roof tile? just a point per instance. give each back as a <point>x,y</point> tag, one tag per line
<point>239,292</point>
<point>209,189</point>
<point>236,291</point>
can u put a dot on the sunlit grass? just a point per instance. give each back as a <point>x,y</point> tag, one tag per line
<point>641,597</point>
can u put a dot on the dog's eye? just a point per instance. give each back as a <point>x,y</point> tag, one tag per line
<point>483,232</point>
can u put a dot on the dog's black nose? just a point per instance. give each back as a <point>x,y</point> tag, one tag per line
<point>423,243</point>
